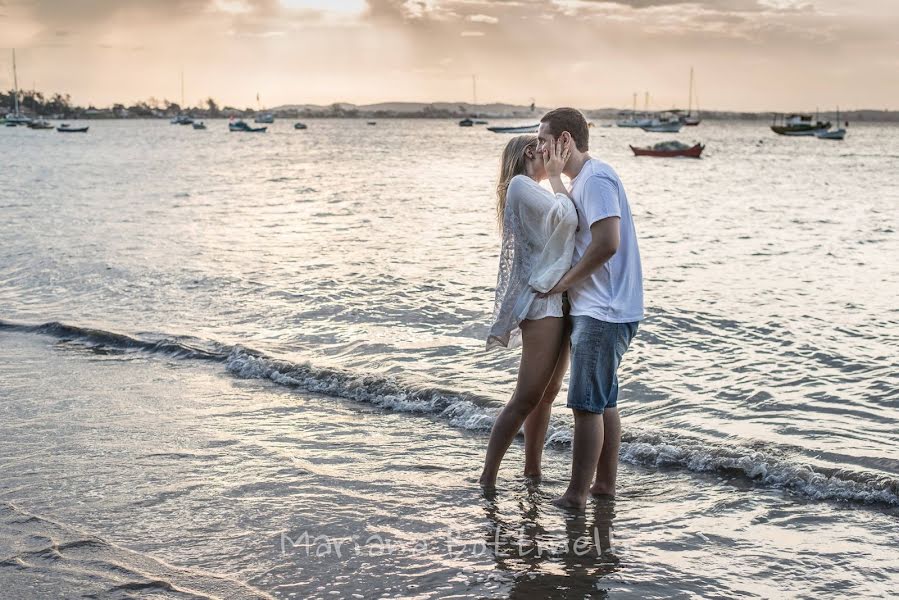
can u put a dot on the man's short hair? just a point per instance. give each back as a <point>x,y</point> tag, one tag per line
<point>570,120</point>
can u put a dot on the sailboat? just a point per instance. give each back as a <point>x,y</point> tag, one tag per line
<point>634,121</point>
<point>689,120</point>
<point>469,121</point>
<point>182,119</point>
<point>16,118</point>
<point>664,123</point>
<point>833,134</point>
<point>263,117</point>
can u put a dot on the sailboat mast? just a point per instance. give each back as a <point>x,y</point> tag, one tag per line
<point>690,101</point>
<point>15,82</point>
<point>634,110</point>
<point>474,90</point>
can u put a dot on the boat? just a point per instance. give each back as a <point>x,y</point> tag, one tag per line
<point>689,119</point>
<point>262,115</point>
<point>833,134</point>
<point>670,150</point>
<point>515,129</point>
<point>372,123</point>
<point>199,125</point>
<point>798,125</point>
<point>663,124</point>
<point>181,118</point>
<point>634,121</point>
<point>479,122</point>
<point>466,123</point>
<point>40,123</point>
<point>300,126</point>
<point>16,118</point>
<point>241,125</point>
<point>66,128</point>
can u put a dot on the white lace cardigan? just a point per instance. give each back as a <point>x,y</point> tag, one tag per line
<point>536,250</point>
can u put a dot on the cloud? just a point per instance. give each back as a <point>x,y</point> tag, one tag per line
<point>482,19</point>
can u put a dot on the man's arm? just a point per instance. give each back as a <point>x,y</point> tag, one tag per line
<point>606,236</point>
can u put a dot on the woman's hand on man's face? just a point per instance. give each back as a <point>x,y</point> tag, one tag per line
<point>555,155</point>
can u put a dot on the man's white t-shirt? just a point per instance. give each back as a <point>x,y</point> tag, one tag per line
<point>613,293</point>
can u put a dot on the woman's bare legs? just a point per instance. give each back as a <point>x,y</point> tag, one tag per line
<point>537,423</point>
<point>541,340</point>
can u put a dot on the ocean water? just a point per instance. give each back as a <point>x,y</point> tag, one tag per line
<point>238,365</point>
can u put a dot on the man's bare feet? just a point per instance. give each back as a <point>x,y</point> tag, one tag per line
<point>602,490</point>
<point>570,501</point>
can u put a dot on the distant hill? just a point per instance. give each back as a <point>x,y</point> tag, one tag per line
<point>410,109</point>
<point>502,110</point>
<point>60,106</point>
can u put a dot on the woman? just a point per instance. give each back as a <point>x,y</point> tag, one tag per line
<point>538,242</point>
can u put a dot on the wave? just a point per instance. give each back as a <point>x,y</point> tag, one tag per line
<point>769,467</point>
<point>99,339</point>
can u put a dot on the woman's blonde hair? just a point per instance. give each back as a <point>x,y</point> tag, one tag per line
<point>513,163</point>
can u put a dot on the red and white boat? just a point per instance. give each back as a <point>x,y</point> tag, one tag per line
<point>670,150</point>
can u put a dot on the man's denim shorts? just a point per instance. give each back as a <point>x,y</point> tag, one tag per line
<point>596,351</point>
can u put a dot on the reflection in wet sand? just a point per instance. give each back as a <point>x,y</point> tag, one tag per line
<point>547,565</point>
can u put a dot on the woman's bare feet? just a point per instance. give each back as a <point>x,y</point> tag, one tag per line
<point>533,476</point>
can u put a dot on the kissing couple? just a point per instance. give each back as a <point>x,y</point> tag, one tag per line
<point>570,287</point>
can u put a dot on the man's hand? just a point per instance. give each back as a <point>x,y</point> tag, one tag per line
<point>560,287</point>
<point>604,245</point>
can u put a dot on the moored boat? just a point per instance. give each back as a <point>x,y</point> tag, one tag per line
<point>16,118</point>
<point>241,125</point>
<point>66,128</point>
<point>300,126</point>
<point>635,121</point>
<point>199,125</point>
<point>40,123</point>
<point>515,129</point>
<point>266,118</point>
<point>664,124</point>
<point>689,119</point>
<point>670,150</point>
<point>833,134</point>
<point>466,123</point>
<point>798,125</point>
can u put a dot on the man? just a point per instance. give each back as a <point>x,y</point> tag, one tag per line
<point>605,289</point>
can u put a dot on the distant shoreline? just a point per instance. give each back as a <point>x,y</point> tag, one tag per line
<point>59,106</point>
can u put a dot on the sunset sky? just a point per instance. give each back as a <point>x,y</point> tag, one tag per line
<point>748,54</point>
